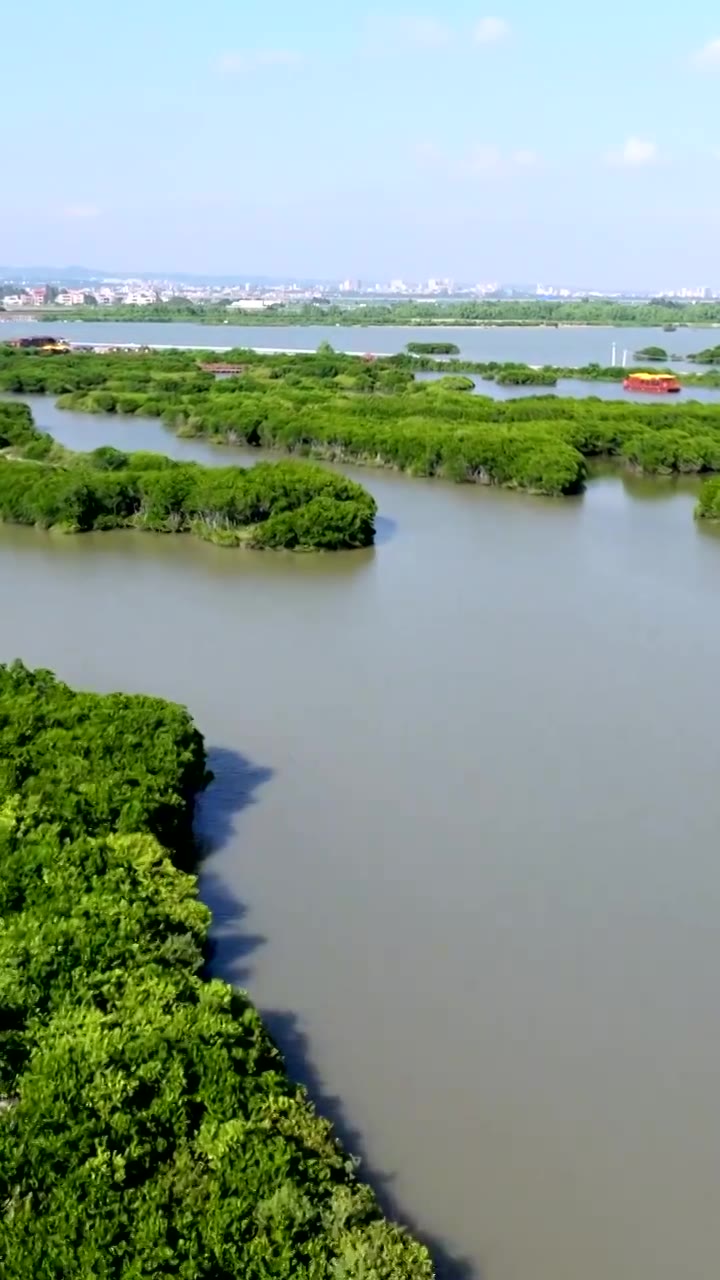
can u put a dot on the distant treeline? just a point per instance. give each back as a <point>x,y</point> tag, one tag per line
<point>342,408</point>
<point>488,311</point>
<point>274,504</point>
<point>148,1127</point>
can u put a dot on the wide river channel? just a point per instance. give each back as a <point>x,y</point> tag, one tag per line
<point>462,845</point>
<point>568,346</point>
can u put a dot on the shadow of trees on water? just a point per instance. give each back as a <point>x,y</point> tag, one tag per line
<point>236,780</point>
<point>286,1030</point>
<point>234,788</point>
<point>385,530</point>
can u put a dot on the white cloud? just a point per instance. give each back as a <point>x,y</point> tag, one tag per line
<point>81,211</point>
<point>709,56</point>
<point>431,33</point>
<point>249,59</point>
<point>488,160</point>
<point>484,160</point>
<point>426,33</point>
<point>491,30</point>
<point>480,160</point>
<point>428,153</point>
<point>525,159</point>
<point>635,153</point>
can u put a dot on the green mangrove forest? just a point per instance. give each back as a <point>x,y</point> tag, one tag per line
<point>290,505</point>
<point>342,408</point>
<point>148,1127</point>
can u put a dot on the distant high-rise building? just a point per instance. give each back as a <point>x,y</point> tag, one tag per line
<point>696,294</point>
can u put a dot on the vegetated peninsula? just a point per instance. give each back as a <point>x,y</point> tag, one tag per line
<point>343,408</point>
<point>296,506</point>
<point>147,1124</point>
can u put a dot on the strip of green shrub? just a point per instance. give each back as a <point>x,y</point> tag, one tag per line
<point>433,348</point>
<point>452,382</point>
<point>147,1125</point>
<point>524,376</point>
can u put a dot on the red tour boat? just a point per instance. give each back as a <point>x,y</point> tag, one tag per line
<point>658,383</point>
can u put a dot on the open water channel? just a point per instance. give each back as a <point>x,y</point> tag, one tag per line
<point>529,345</point>
<point>463,838</point>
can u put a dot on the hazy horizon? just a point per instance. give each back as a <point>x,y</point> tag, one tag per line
<point>513,144</point>
<point>41,273</point>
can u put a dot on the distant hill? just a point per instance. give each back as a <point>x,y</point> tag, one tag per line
<point>48,275</point>
<point>77,274</point>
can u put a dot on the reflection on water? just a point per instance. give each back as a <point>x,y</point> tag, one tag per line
<point>462,843</point>
<point>643,488</point>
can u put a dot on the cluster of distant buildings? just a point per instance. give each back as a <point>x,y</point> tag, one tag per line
<point>254,296</point>
<point>698,294</point>
<point>432,288</point>
<point>106,296</point>
<point>141,293</point>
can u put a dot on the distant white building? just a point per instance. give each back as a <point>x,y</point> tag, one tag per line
<point>251,304</point>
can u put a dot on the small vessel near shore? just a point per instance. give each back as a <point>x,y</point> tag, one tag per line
<point>655,383</point>
<point>52,346</point>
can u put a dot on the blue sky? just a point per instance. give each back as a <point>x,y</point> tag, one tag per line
<point>507,141</point>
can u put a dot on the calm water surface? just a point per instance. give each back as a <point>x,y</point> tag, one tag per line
<point>532,346</point>
<point>464,836</point>
<point>581,390</point>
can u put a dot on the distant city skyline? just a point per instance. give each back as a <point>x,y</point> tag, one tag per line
<point>349,286</point>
